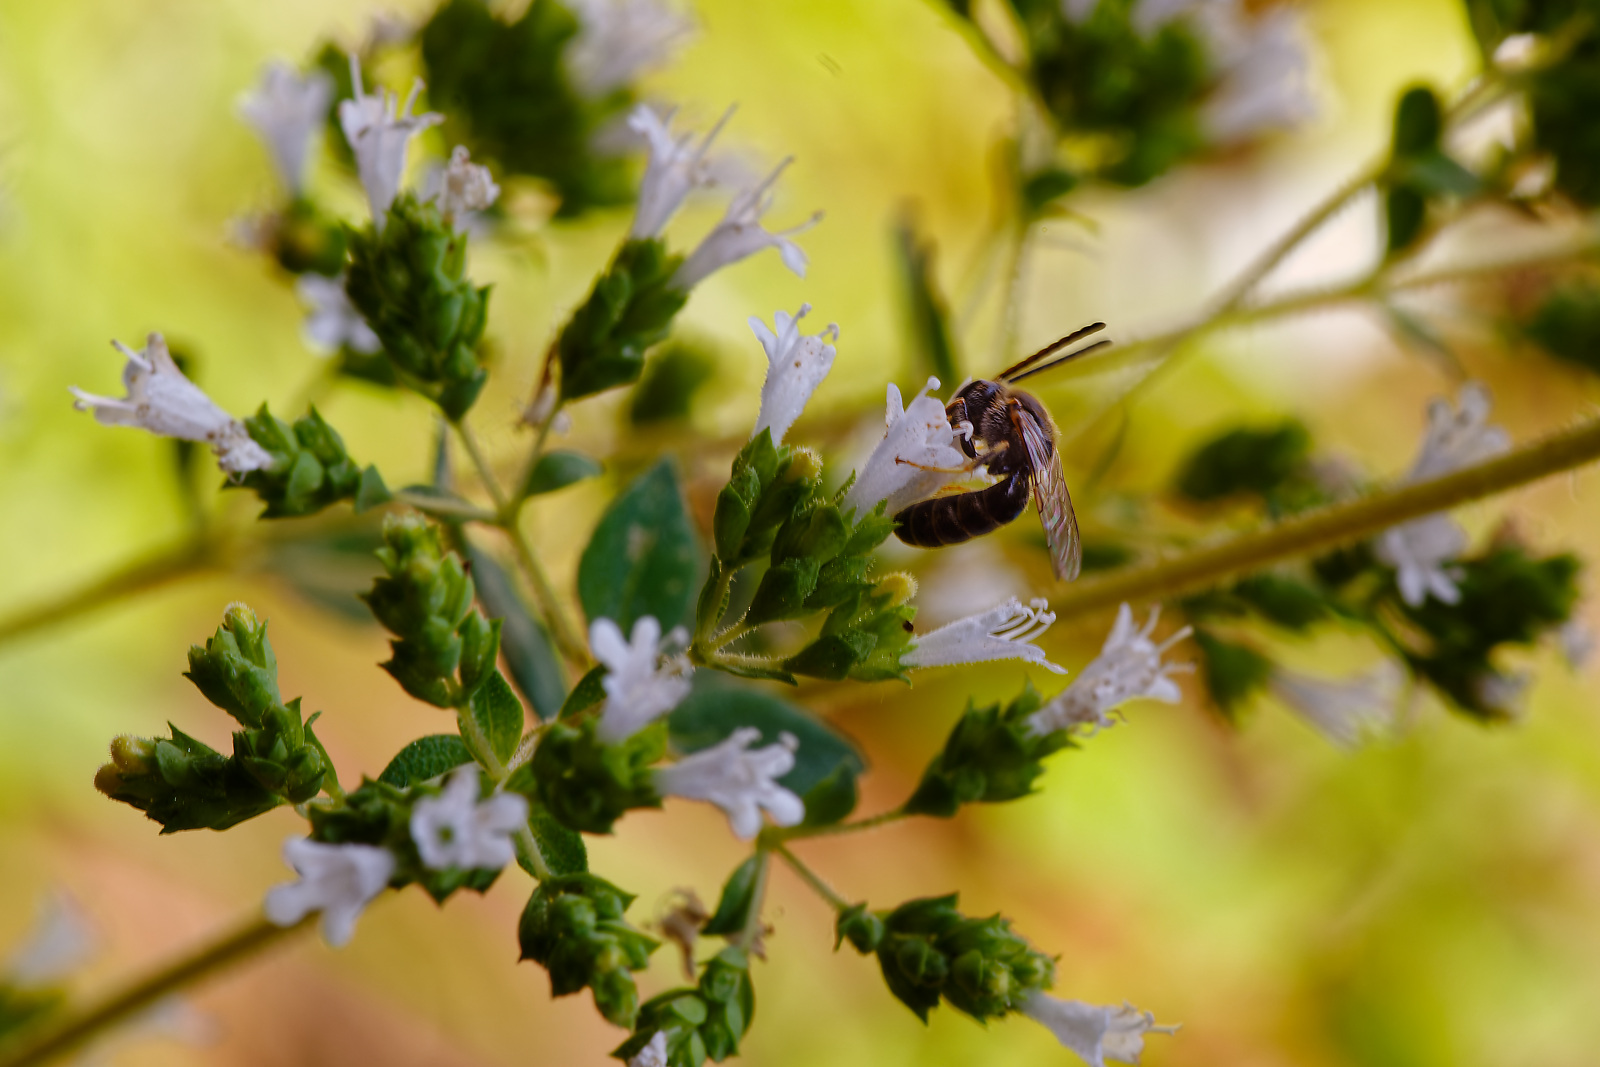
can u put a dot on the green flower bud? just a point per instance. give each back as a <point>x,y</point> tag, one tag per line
<point>992,756</point>
<point>630,309</point>
<point>860,927</point>
<point>573,927</point>
<point>588,784</point>
<point>310,470</point>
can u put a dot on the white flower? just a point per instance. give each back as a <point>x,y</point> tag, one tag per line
<point>1078,10</point>
<point>1262,60</point>
<point>466,186</point>
<point>337,880</point>
<point>160,399</point>
<point>1344,711</point>
<point>287,110</point>
<point>652,1055</point>
<point>1128,667</point>
<point>917,455</point>
<point>1504,694</point>
<point>1002,632</point>
<point>1094,1032</point>
<point>796,365</point>
<point>676,168</point>
<point>741,782</point>
<point>618,40</point>
<point>379,131</point>
<point>332,321</point>
<point>741,234</point>
<point>1418,550</point>
<point>1149,16</point>
<point>1577,643</point>
<point>644,678</point>
<point>455,830</point>
<point>60,942</point>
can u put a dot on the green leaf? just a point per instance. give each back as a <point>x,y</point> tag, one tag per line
<point>589,691</point>
<point>559,469</point>
<point>530,655</point>
<point>642,559</point>
<point>929,314</point>
<point>498,713</point>
<point>426,757</point>
<point>1404,211</point>
<point>713,711</point>
<point>563,849</point>
<point>1418,122</point>
<point>738,894</point>
<point>371,492</point>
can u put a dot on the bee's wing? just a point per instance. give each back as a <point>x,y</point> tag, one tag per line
<point>1051,498</point>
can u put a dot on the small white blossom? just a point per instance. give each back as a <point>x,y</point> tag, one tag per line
<point>644,679</point>
<point>1263,63</point>
<point>332,321</point>
<point>676,168</point>
<point>1096,1033</point>
<point>917,456</point>
<point>60,942</point>
<point>740,781</point>
<point>1346,711</point>
<point>1128,667</point>
<point>1078,10</point>
<point>740,234</point>
<point>455,830</point>
<point>337,880</point>
<point>287,110</point>
<point>652,1055</point>
<point>160,399</point>
<point>465,187</point>
<point>1577,643</point>
<point>1148,16</point>
<point>1002,632</point>
<point>1456,437</point>
<point>1504,694</point>
<point>796,365</point>
<point>379,130</point>
<point>620,39</point>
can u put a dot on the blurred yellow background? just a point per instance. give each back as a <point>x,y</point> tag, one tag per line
<point>1431,900</point>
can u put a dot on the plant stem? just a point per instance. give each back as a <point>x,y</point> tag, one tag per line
<point>70,1033</point>
<point>808,876</point>
<point>1330,527</point>
<point>872,821</point>
<point>180,561</point>
<point>562,631</point>
<point>447,508</point>
<point>751,934</point>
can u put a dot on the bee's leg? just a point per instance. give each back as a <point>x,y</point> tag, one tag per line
<point>956,412</point>
<point>967,468</point>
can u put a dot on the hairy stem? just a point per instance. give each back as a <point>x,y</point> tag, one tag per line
<point>1330,527</point>
<point>809,877</point>
<point>69,1033</point>
<point>871,822</point>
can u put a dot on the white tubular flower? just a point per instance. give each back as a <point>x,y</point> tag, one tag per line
<point>1096,1033</point>
<point>455,830</point>
<point>1002,632</point>
<point>287,110</point>
<point>1418,550</point>
<point>1263,64</point>
<point>620,39</point>
<point>645,677</point>
<point>1077,10</point>
<point>332,321</point>
<point>337,880</point>
<point>796,365</point>
<point>60,942</point>
<point>917,456</point>
<point>1577,643</point>
<point>379,131</point>
<point>740,234</point>
<point>1347,711</point>
<point>160,399</point>
<point>652,1055</point>
<point>742,782</point>
<point>466,186</point>
<point>677,167</point>
<point>1128,667</point>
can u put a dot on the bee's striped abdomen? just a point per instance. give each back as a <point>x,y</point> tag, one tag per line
<point>950,520</point>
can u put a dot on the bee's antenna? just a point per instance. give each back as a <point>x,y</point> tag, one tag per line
<point>1054,363</point>
<point>1050,349</point>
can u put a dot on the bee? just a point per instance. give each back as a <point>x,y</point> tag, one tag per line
<point>1013,438</point>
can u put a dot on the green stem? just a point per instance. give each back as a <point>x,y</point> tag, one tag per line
<point>70,1033</point>
<point>751,934</point>
<point>480,461</point>
<point>871,822</point>
<point>168,565</point>
<point>446,508</point>
<point>809,877</point>
<point>1327,528</point>
<point>527,846</point>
